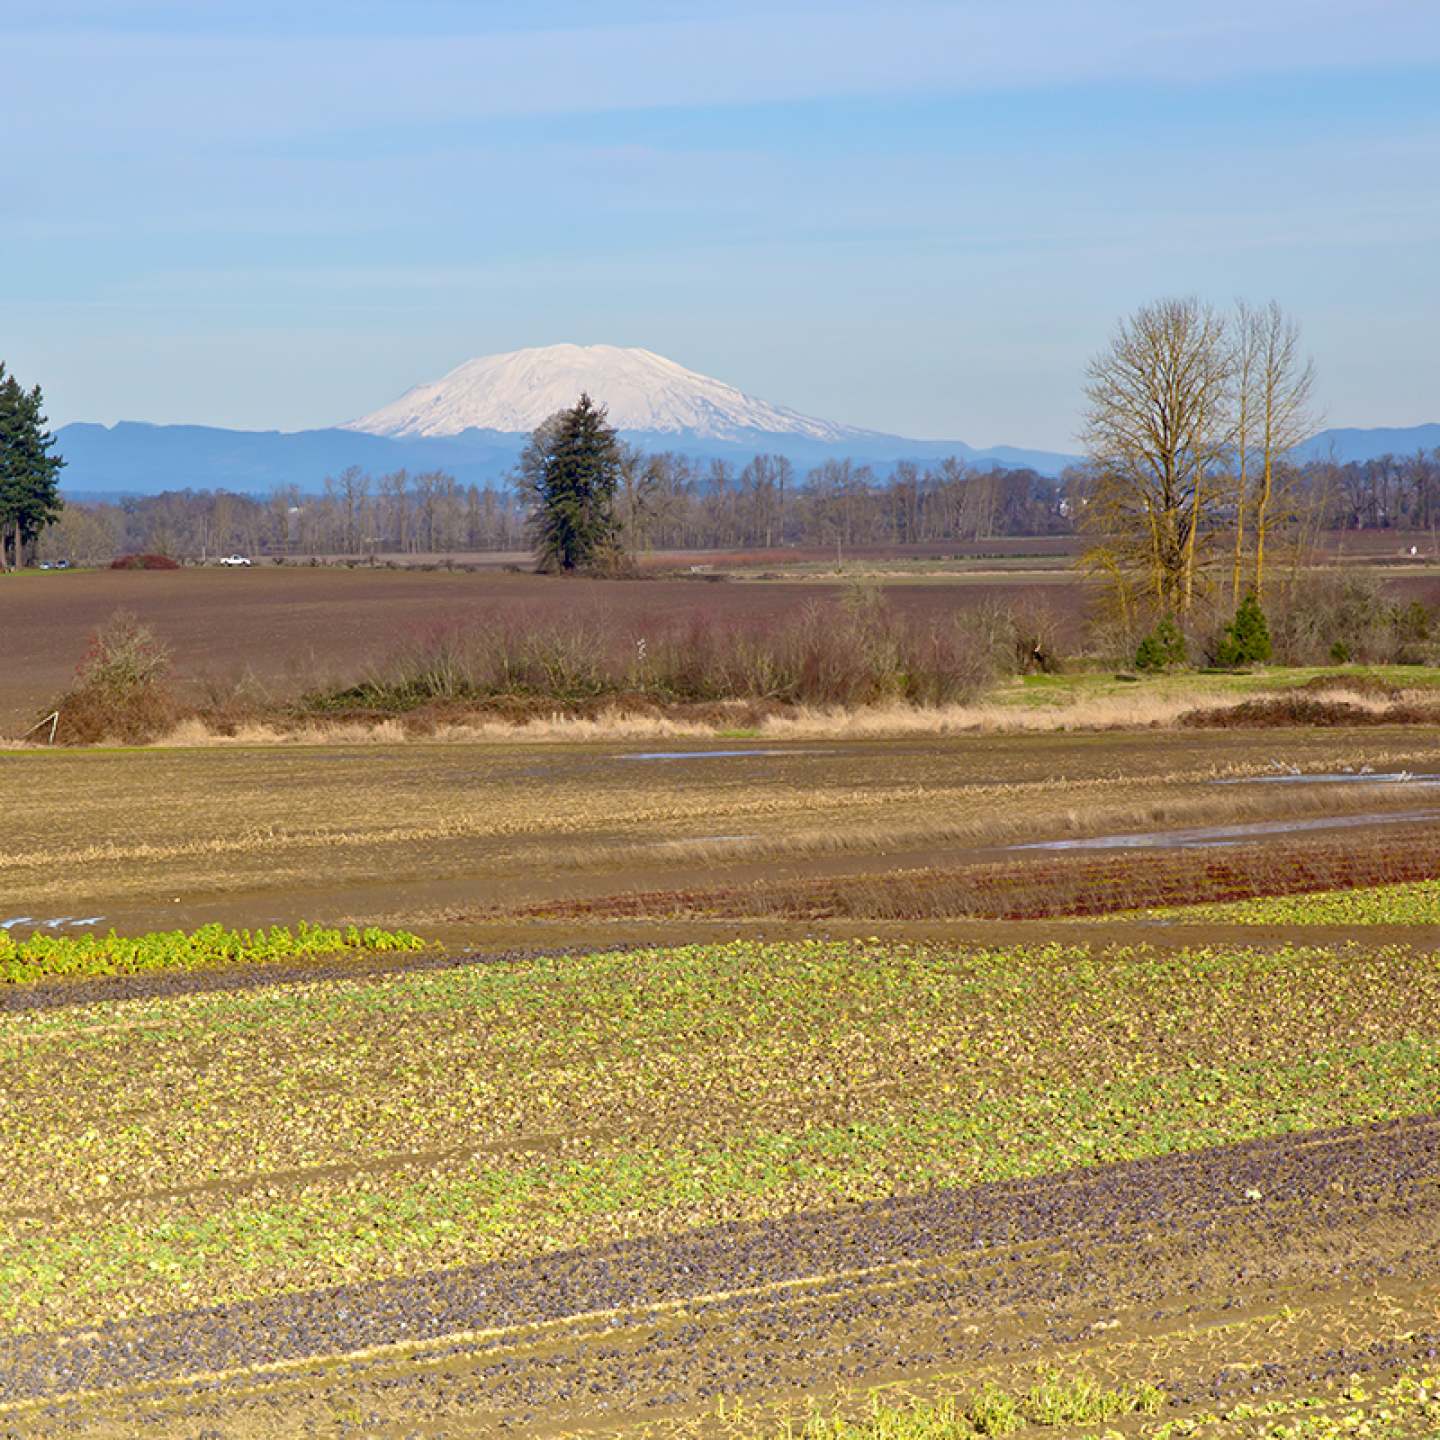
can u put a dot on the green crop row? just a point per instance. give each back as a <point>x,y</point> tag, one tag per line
<point>1413,903</point>
<point>229,1145</point>
<point>42,957</point>
<point>1405,1408</point>
<point>1053,1401</point>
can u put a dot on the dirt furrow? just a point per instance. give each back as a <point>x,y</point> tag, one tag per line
<point>899,1288</point>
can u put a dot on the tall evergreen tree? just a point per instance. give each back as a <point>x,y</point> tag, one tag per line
<point>571,468</point>
<point>29,473</point>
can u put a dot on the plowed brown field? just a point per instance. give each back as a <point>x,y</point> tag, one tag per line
<point>297,627</point>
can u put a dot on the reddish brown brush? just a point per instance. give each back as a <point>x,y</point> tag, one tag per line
<point>144,562</point>
<point>1294,708</point>
<point>1050,888</point>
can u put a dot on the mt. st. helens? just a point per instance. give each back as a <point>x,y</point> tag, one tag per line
<point>643,391</point>
<point>473,424</point>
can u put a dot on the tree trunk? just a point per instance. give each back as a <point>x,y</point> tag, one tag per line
<point>1262,522</point>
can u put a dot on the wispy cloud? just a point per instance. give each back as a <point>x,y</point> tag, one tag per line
<point>166,82</point>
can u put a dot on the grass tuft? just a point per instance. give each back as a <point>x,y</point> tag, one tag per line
<point>1054,1400</point>
<point>45,957</point>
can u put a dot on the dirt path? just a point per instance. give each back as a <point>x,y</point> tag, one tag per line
<point>1229,1273</point>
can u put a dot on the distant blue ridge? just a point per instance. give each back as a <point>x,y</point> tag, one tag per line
<point>134,458</point>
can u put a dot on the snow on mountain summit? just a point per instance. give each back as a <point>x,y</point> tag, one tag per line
<point>642,390</point>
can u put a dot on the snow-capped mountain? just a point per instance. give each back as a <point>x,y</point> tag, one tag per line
<point>474,422</point>
<point>644,392</point>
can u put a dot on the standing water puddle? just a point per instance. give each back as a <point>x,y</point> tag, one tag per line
<point>1224,834</point>
<point>1342,777</point>
<point>713,754</point>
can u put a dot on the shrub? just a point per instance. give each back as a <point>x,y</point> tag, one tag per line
<point>858,652</point>
<point>1348,617</point>
<point>1162,649</point>
<point>1246,640</point>
<point>144,562</point>
<point>120,690</point>
<point>1020,638</point>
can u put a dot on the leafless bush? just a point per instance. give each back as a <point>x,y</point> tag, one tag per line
<point>1019,638</point>
<point>856,653</point>
<point>1333,617</point>
<point>120,691</point>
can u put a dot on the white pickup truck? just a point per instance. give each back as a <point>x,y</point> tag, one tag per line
<point>234,559</point>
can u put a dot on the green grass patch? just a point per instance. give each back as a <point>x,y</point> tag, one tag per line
<point>1404,1408</point>
<point>1041,691</point>
<point>1055,1400</point>
<point>44,957</point>
<point>1415,903</point>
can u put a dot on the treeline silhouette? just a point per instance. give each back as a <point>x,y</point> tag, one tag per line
<point>674,502</point>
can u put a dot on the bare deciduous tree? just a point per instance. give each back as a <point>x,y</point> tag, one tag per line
<point>1246,361</point>
<point>1285,381</point>
<point>1158,427</point>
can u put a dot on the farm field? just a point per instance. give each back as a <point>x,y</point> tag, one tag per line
<point>294,628</point>
<point>727,1085</point>
<point>641,1191</point>
<point>396,834</point>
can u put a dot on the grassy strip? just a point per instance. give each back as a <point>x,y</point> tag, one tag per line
<point>45,957</point>
<point>1406,1408</point>
<point>1074,685</point>
<point>1412,904</point>
<point>1054,1400</point>
<point>391,1125</point>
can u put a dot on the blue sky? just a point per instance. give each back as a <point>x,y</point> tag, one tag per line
<point>920,218</point>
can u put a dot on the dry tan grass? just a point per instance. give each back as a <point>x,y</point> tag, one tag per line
<point>1138,711</point>
<point>1119,712</point>
<point>567,729</point>
<point>896,721</point>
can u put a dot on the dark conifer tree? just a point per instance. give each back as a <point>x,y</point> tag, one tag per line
<point>571,468</point>
<point>29,473</point>
<point>1246,640</point>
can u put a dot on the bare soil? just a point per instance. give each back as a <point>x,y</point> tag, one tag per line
<point>417,835</point>
<point>1239,1273</point>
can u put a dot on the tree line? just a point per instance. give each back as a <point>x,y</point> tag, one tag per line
<point>662,501</point>
<point>674,502</point>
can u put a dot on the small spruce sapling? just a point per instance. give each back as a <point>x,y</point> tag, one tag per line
<point>1162,649</point>
<point>1246,640</point>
